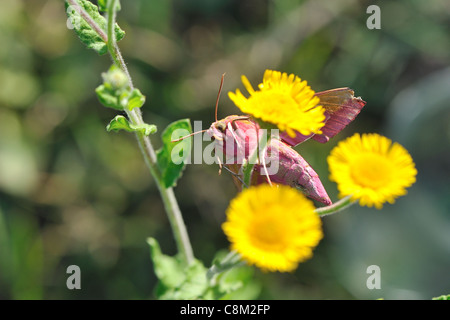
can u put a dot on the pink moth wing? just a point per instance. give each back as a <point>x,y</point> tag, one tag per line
<point>341,108</point>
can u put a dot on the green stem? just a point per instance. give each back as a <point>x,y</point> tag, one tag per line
<point>340,205</point>
<point>135,116</point>
<point>232,259</point>
<point>247,168</point>
<point>113,48</point>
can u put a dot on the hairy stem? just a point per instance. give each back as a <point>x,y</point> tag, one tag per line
<point>135,116</point>
<point>113,48</point>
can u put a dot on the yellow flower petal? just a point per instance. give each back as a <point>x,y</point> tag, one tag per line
<point>372,169</point>
<point>274,228</point>
<point>284,100</point>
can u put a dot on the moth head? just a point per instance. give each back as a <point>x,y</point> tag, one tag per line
<point>221,126</point>
<point>217,130</point>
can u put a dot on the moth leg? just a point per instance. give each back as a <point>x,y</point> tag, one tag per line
<point>266,173</point>
<point>237,176</point>
<point>220,165</point>
<point>234,136</point>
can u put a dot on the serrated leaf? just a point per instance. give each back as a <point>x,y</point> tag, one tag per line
<point>176,280</point>
<point>86,32</point>
<point>122,123</point>
<point>172,156</point>
<point>169,270</point>
<point>231,280</point>
<point>193,285</point>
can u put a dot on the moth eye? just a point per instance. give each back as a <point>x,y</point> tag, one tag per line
<point>221,126</point>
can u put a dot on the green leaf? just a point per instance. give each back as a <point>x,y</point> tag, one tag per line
<point>443,297</point>
<point>193,285</point>
<point>176,280</point>
<point>107,97</point>
<point>132,100</point>
<point>172,156</point>
<point>103,5</point>
<point>86,32</point>
<point>230,279</point>
<point>116,93</point>
<point>169,270</point>
<point>239,284</point>
<point>122,123</point>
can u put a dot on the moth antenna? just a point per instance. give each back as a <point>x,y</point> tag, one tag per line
<point>189,135</point>
<point>218,95</point>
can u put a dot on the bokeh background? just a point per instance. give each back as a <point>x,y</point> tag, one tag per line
<point>73,194</point>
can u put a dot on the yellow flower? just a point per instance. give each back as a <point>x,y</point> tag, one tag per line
<point>274,228</point>
<point>372,169</point>
<point>282,100</point>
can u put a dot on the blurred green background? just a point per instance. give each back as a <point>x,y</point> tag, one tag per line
<point>73,194</point>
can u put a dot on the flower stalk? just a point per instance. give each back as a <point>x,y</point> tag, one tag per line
<point>145,145</point>
<point>231,260</point>
<point>256,157</point>
<point>336,207</point>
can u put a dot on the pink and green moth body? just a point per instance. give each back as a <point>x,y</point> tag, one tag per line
<point>237,138</point>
